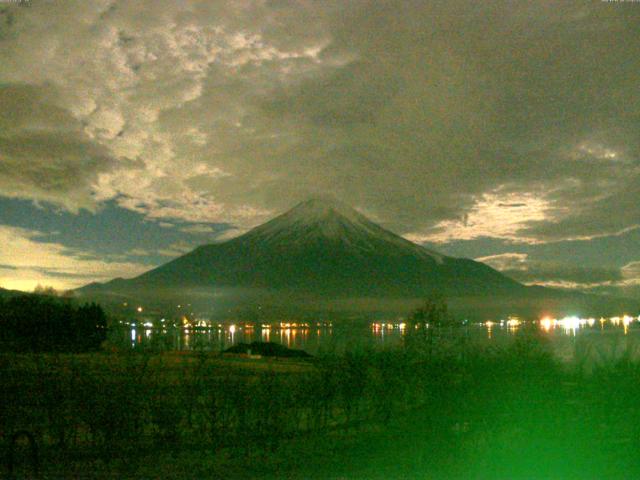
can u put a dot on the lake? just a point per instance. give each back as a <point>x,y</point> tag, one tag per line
<point>597,339</point>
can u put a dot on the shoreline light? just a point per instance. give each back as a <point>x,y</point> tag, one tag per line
<point>548,323</point>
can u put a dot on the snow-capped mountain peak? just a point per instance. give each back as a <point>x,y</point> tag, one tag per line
<point>321,248</point>
<point>332,220</point>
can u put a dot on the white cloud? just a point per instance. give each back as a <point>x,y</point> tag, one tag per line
<point>506,261</point>
<point>495,214</point>
<point>176,249</point>
<point>631,271</point>
<point>229,234</point>
<point>123,68</point>
<point>198,229</point>
<point>26,262</point>
<point>555,274</point>
<point>139,252</point>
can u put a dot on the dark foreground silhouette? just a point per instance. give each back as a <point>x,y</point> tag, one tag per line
<point>267,349</point>
<point>43,323</point>
<point>429,410</point>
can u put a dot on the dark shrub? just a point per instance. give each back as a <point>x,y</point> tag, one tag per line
<point>38,323</point>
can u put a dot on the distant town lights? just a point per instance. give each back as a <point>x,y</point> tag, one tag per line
<point>572,323</point>
<point>513,322</point>
<point>546,323</point>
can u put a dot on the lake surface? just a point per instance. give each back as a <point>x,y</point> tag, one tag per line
<point>569,338</point>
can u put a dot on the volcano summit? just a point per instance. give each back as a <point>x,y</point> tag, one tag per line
<point>324,251</point>
<point>322,248</point>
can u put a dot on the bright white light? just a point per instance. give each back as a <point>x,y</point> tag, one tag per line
<point>546,323</point>
<point>571,324</point>
<point>513,322</point>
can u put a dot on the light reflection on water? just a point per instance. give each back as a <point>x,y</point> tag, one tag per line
<point>605,336</point>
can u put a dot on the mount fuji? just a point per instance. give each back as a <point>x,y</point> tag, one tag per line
<point>322,247</point>
<point>320,251</point>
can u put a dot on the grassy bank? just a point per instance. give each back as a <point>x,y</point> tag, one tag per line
<point>445,411</point>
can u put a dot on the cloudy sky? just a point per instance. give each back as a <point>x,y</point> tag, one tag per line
<point>506,131</point>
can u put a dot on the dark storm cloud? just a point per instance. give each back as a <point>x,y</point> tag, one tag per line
<point>521,267</point>
<point>416,112</point>
<point>613,211</point>
<point>444,102</point>
<point>44,154</point>
<point>511,121</point>
<point>541,272</point>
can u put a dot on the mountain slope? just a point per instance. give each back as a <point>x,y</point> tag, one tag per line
<point>324,257</point>
<point>326,249</point>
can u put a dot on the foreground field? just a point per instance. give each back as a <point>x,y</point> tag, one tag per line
<point>446,411</point>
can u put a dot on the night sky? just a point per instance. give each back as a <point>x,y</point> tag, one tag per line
<point>504,131</point>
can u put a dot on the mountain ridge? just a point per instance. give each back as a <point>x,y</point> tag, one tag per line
<point>322,255</point>
<point>323,247</point>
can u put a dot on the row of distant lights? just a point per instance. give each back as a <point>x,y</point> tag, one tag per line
<point>187,325</point>
<point>381,327</point>
<point>574,323</point>
<point>569,324</point>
